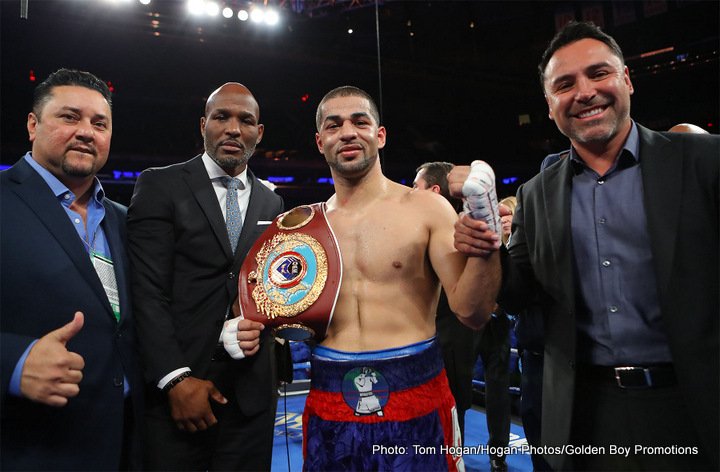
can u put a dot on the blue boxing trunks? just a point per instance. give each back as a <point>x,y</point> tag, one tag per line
<point>380,410</point>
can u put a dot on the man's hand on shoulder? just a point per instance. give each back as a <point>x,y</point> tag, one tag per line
<point>190,404</point>
<point>52,374</point>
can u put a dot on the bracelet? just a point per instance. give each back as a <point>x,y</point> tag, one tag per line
<point>168,386</point>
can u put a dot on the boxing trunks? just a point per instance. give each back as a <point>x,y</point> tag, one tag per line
<point>380,410</point>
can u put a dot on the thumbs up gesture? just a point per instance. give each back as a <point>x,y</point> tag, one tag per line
<point>51,373</point>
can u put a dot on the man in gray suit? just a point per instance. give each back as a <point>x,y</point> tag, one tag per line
<point>629,296</point>
<point>190,226</point>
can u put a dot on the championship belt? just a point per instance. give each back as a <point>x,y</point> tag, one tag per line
<point>290,279</point>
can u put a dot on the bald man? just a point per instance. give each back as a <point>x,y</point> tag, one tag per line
<point>190,226</point>
<point>687,128</point>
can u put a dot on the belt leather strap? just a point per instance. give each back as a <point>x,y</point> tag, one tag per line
<point>630,377</point>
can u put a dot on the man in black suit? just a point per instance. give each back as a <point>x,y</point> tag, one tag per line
<point>206,409</point>
<point>629,296</point>
<point>71,386</point>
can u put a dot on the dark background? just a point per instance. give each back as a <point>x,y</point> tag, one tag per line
<point>456,76</point>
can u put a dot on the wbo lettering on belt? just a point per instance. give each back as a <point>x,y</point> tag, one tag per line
<point>290,279</point>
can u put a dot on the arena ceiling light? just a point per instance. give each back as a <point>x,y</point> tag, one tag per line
<point>212,8</point>
<point>271,17</point>
<point>260,14</point>
<point>196,7</point>
<point>257,15</point>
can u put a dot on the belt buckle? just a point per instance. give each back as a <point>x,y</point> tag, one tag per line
<point>620,371</point>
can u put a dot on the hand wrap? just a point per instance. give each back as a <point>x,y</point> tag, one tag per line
<point>480,198</point>
<point>230,340</point>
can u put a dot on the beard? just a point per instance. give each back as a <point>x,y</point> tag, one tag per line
<point>229,162</point>
<point>604,129</point>
<point>599,134</point>
<point>354,168</point>
<point>80,169</point>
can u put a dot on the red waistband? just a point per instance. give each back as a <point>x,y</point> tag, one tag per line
<point>402,405</point>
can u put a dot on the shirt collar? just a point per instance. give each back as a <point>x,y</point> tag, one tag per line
<point>58,188</point>
<point>216,172</point>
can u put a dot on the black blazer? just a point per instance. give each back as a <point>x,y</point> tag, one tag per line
<point>184,277</point>
<point>45,276</point>
<point>680,180</point>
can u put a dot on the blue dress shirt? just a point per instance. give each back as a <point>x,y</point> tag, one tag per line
<point>93,238</point>
<point>618,320</point>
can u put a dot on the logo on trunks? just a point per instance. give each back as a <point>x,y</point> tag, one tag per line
<point>365,391</point>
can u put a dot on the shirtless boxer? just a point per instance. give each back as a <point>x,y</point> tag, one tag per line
<point>397,250</point>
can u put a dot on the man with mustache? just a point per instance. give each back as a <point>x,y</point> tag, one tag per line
<point>629,296</point>
<point>190,226</point>
<point>71,385</point>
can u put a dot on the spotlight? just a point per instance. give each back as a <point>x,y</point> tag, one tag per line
<point>271,17</point>
<point>196,7</point>
<point>212,8</point>
<point>350,31</point>
<point>227,12</point>
<point>257,15</point>
<point>243,15</point>
<point>145,2</point>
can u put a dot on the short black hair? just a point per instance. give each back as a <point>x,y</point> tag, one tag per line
<point>347,91</point>
<point>572,32</point>
<point>436,173</point>
<point>62,77</point>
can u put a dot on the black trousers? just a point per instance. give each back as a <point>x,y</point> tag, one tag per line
<point>531,403</point>
<point>237,442</point>
<point>653,423</point>
<point>495,354</point>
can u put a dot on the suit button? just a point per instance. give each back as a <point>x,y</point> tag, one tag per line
<point>572,365</point>
<point>118,382</point>
<point>231,276</point>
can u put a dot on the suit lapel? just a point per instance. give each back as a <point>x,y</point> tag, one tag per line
<point>557,194</point>
<point>198,179</point>
<point>660,163</point>
<point>33,190</point>
<point>250,221</point>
